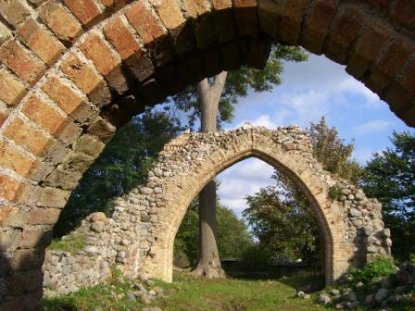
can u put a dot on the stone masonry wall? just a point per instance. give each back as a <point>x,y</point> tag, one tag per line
<point>144,219</point>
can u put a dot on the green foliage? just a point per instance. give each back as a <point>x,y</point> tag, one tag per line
<point>69,244</point>
<point>232,235</point>
<point>374,270</point>
<point>283,221</point>
<point>390,177</point>
<point>412,258</point>
<point>123,165</point>
<point>237,85</point>
<point>332,152</point>
<point>257,258</point>
<point>334,192</point>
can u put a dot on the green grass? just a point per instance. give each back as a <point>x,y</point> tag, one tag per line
<point>70,244</point>
<point>188,293</point>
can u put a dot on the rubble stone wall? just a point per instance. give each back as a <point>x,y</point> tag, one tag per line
<point>138,238</point>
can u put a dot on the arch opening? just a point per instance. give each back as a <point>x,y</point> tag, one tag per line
<point>318,218</point>
<point>67,88</point>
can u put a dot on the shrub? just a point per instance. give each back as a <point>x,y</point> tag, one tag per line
<point>380,268</point>
<point>334,192</point>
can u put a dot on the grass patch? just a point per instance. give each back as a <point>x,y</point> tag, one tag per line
<point>69,243</point>
<point>188,293</point>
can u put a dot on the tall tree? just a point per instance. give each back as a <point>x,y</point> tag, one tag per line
<point>122,165</point>
<point>390,177</point>
<point>281,218</point>
<point>233,238</point>
<point>213,101</point>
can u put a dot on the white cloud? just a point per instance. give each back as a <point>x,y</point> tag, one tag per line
<point>242,179</point>
<point>262,120</point>
<point>372,127</point>
<point>356,87</point>
<point>306,106</point>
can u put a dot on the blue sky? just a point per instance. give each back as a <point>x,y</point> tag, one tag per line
<point>308,91</point>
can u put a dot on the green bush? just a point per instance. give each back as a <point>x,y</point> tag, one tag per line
<point>412,258</point>
<point>257,258</point>
<point>334,192</point>
<point>380,268</point>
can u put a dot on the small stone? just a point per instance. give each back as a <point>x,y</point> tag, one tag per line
<point>355,212</point>
<point>130,296</point>
<point>300,294</point>
<point>146,190</point>
<point>97,226</point>
<point>335,292</point>
<point>145,299</point>
<point>307,296</point>
<point>370,300</point>
<point>99,216</point>
<point>92,250</point>
<point>324,299</point>
<point>381,294</point>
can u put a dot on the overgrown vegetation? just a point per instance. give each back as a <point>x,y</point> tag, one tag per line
<point>187,293</point>
<point>375,270</point>
<point>390,177</point>
<point>69,243</point>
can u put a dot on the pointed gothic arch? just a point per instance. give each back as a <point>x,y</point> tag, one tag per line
<point>72,72</point>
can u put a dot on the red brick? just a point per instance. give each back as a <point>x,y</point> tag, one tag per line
<point>9,188</point>
<point>21,62</point>
<point>40,41</point>
<point>141,18</point>
<point>382,4</point>
<point>408,79</point>
<point>26,136</point>
<point>270,17</point>
<point>196,8</point>
<point>43,216</point>
<point>222,4</point>
<point>81,74</point>
<point>397,56</point>
<point>246,17</point>
<point>85,10</point>
<point>4,114</point>
<point>317,23</point>
<point>117,81</point>
<point>13,159</point>
<point>43,114</point>
<point>369,46</point>
<point>121,38</point>
<point>170,13</point>
<point>292,21</point>
<point>397,97</point>
<point>14,12</point>
<point>96,49</point>
<point>61,22</point>
<point>11,89</point>
<point>141,66</point>
<point>61,94</point>
<point>345,31</point>
<point>376,81</point>
<point>114,4</point>
<point>404,11</point>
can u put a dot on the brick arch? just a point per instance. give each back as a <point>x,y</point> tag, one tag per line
<point>151,214</point>
<point>72,72</point>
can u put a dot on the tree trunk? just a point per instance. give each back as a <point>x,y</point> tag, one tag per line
<point>209,261</point>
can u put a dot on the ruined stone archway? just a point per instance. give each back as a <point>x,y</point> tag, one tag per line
<point>72,72</point>
<point>140,236</point>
